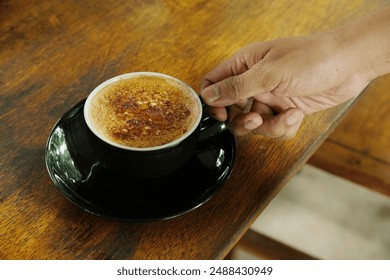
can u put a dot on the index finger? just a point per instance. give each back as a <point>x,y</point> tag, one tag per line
<point>235,65</point>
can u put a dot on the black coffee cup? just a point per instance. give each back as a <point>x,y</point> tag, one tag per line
<point>154,161</point>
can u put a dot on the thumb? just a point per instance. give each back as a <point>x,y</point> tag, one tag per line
<point>259,79</point>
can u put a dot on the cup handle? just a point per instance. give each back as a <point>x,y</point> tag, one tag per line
<point>210,131</point>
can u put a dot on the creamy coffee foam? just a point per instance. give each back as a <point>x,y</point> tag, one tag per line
<point>145,111</point>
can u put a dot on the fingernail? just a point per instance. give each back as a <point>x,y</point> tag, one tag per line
<point>292,118</point>
<point>210,94</point>
<point>252,124</point>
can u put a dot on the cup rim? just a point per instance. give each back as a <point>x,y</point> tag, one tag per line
<point>132,75</point>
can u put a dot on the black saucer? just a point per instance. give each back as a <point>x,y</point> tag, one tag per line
<point>74,169</point>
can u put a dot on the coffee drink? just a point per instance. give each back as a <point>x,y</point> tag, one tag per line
<point>144,111</point>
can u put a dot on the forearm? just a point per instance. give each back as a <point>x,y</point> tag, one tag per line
<point>367,43</point>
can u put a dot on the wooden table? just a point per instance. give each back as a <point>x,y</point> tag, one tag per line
<point>53,53</point>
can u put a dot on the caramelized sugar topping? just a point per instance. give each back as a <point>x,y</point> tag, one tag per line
<point>143,111</point>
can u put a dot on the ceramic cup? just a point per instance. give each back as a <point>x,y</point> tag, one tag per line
<point>155,161</point>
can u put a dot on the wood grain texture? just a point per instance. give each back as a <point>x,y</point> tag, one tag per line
<point>53,53</point>
<point>359,148</point>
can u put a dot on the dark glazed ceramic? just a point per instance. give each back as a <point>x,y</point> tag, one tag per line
<point>76,169</point>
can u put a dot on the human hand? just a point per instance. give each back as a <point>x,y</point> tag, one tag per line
<point>267,88</point>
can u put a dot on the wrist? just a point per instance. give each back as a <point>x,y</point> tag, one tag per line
<point>365,44</point>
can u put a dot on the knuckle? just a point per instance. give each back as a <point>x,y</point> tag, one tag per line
<point>234,86</point>
<point>267,78</point>
<point>282,89</point>
<point>277,131</point>
<point>236,130</point>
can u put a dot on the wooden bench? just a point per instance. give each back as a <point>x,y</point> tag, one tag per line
<point>358,150</point>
